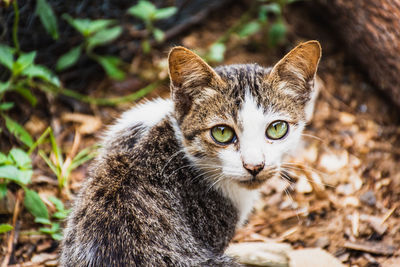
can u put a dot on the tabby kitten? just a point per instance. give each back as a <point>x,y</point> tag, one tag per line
<point>176,177</point>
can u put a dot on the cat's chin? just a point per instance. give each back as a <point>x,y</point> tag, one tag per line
<point>253,182</point>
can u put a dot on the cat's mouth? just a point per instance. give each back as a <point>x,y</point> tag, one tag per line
<point>254,182</point>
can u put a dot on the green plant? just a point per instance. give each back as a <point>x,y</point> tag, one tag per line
<point>149,14</point>
<point>22,71</point>
<point>16,167</point>
<point>54,229</point>
<point>95,33</point>
<point>58,165</point>
<point>263,16</point>
<point>47,17</point>
<point>5,227</point>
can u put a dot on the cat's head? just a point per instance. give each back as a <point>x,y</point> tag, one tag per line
<point>238,121</point>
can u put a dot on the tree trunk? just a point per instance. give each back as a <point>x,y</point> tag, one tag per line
<point>370,30</point>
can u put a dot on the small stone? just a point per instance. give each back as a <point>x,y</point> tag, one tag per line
<point>310,154</point>
<point>334,162</point>
<point>350,201</point>
<point>312,257</point>
<point>322,242</point>
<point>368,198</point>
<point>347,118</point>
<point>260,253</point>
<point>345,189</point>
<point>52,263</point>
<point>303,186</point>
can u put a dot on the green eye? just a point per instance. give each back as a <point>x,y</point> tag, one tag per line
<point>222,134</point>
<point>277,130</point>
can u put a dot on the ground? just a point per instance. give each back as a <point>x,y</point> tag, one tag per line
<point>340,191</point>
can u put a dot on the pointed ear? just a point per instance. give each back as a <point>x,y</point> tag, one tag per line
<point>188,69</point>
<point>295,73</point>
<point>189,74</point>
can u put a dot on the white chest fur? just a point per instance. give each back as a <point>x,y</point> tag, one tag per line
<point>241,197</point>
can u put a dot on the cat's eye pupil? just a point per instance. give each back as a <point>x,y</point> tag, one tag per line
<point>222,134</point>
<point>277,130</point>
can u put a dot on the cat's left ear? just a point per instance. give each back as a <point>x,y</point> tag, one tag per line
<point>295,74</point>
<point>189,74</point>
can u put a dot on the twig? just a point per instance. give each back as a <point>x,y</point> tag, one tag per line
<point>10,240</point>
<point>388,214</point>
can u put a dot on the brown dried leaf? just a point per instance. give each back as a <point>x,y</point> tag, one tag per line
<point>88,124</point>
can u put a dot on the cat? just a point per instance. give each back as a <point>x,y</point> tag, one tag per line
<point>177,176</point>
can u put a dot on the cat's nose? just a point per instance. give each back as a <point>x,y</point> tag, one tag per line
<point>253,169</point>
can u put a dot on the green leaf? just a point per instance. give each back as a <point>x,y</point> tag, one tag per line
<point>42,220</point>
<point>21,158</point>
<point>3,159</point>
<point>99,24</point>
<point>4,86</point>
<point>110,65</point>
<point>25,176</point>
<point>276,33</point>
<point>3,190</point>
<point>146,46</point>
<point>217,51</point>
<point>41,72</point>
<point>69,58</point>
<point>54,228</point>
<point>5,227</point>
<point>35,205</point>
<point>54,169</point>
<point>81,25</point>
<point>27,94</point>
<point>19,131</point>
<point>104,36</point>
<point>47,17</point>
<point>57,236</point>
<point>158,35</point>
<point>6,56</point>
<point>249,29</point>
<point>46,230</point>
<point>83,156</point>
<point>273,8</point>
<point>56,150</point>
<point>86,26</point>
<point>263,13</point>
<point>164,13</point>
<point>12,173</point>
<point>9,172</point>
<point>144,10</point>
<point>61,214</point>
<point>58,203</point>
<point>24,61</point>
<point>6,105</point>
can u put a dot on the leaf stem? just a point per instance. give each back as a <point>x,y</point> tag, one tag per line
<point>102,101</point>
<point>15,27</point>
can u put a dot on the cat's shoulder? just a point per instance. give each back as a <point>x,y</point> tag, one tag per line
<point>139,119</point>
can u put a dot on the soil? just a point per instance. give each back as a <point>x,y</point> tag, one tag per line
<point>339,192</point>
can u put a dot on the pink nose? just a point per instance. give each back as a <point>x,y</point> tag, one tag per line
<point>253,169</point>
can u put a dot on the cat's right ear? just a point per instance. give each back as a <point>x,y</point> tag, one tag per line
<point>296,71</point>
<point>189,74</point>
